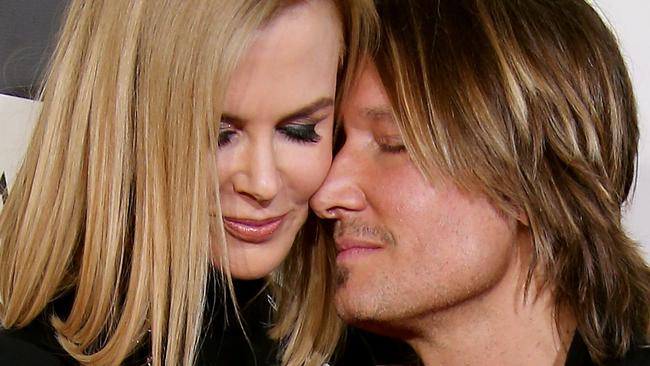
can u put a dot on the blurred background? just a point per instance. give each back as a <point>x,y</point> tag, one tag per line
<point>27,29</point>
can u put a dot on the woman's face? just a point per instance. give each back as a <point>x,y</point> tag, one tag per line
<point>275,138</point>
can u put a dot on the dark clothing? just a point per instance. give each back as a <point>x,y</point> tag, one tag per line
<point>36,343</point>
<point>223,342</point>
<point>32,346</point>
<point>578,355</point>
<point>361,348</point>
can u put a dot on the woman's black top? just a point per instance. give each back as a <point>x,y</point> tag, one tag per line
<point>223,343</point>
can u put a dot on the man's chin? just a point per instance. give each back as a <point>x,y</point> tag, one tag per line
<point>351,300</point>
<point>367,316</point>
<point>378,326</point>
<point>352,309</point>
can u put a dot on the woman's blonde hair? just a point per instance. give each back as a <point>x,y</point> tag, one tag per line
<point>530,102</point>
<point>110,202</point>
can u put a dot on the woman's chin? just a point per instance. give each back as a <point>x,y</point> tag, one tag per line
<point>248,271</point>
<point>253,260</point>
<point>251,264</point>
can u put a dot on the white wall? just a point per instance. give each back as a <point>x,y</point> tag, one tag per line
<point>630,20</point>
<point>17,117</point>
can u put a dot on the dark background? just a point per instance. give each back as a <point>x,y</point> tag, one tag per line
<point>27,29</point>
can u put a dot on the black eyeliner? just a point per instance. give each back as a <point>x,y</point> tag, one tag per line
<point>225,137</point>
<point>305,133</point>
<point>226,133</point>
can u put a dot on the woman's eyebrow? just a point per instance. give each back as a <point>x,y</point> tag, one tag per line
<point>308,110</point>
<point>301,113</point>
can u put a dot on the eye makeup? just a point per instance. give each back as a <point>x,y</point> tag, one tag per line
<point>226,133</point>
<point>300,132</point>
<point>298,126</point>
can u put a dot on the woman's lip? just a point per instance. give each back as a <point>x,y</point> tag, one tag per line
<point>251,230</point>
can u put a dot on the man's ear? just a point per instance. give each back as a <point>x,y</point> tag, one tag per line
<point>522,216</point>
<point>514,210</point>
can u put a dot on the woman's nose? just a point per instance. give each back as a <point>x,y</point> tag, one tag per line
<point>258,176</point>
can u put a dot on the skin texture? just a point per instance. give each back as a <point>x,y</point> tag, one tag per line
<point>276,134</point>
<point>437,266</point>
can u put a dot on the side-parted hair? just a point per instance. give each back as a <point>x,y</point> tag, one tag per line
<point>530,102</point>
<point>111,201</point>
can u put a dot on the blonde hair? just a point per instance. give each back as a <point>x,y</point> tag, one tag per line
<point>531,103</point>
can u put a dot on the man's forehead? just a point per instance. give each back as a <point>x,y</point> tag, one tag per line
<point>368,99</point>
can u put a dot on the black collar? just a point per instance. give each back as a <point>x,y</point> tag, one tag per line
<point>578,354</point>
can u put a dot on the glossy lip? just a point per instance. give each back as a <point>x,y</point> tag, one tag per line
<point>349,248</point>
<point>252,230</point>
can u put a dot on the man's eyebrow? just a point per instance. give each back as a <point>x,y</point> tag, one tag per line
<point>301,113</point>
<point>379,114</point>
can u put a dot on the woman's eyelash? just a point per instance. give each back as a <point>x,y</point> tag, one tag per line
<point>296,132</point>
<point>304,133</point>
<point>225,136</point>
<point>226,133</point>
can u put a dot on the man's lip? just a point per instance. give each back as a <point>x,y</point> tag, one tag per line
<point>346,248</point>
<point>252,230</point>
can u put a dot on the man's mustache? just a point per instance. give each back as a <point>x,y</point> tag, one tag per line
<point>359,230</point>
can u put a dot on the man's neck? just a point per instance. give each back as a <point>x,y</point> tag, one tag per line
<point>501,327</point>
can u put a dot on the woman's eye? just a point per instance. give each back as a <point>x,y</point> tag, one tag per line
<point>303,133</point>
<point>226,133</point>
<point>225,137</point>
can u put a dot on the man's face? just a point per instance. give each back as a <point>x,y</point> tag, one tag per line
<point>407,247</point>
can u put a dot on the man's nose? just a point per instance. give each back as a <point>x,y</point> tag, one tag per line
<point>258,176</point>
<point>342,190</point>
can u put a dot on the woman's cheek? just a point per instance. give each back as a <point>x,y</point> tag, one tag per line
<point>308,167</point>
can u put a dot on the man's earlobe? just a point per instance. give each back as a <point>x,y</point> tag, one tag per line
<point>522,217</point>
